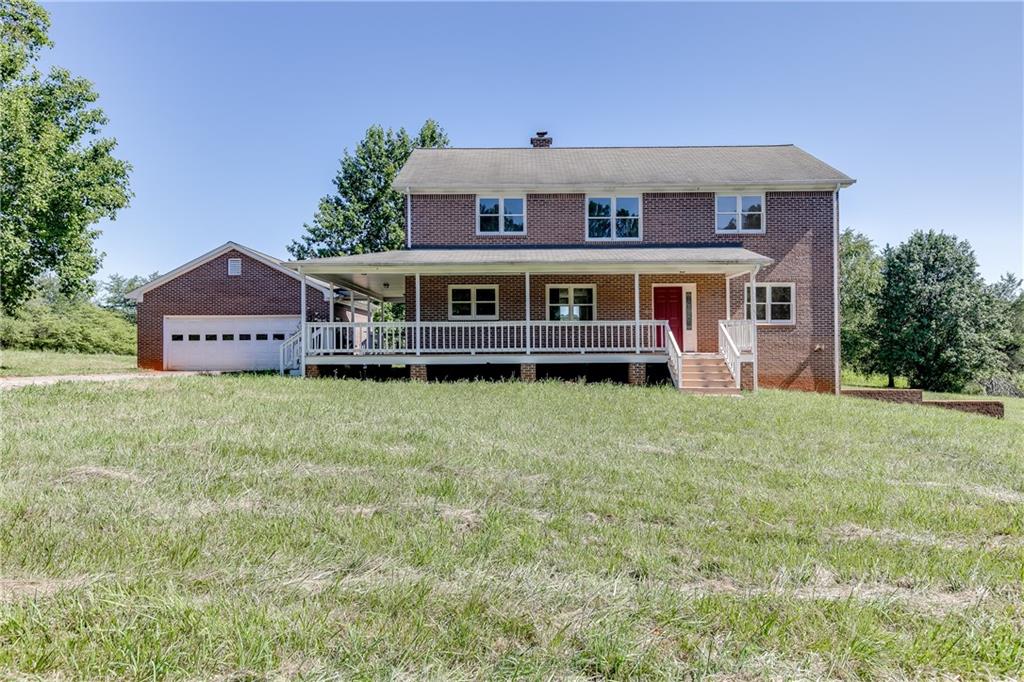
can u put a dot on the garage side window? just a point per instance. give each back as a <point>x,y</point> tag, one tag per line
<point>234,267</point>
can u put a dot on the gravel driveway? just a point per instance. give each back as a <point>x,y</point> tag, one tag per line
<point>19,382</point>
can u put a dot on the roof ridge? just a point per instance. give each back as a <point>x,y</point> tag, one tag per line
<point>653,146</point>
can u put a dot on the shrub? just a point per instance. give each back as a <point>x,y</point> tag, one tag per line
<point>76,327</point>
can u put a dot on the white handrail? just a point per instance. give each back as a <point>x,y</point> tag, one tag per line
<point>737,342</point>
<point>675,356</point>
<point>289,353</point>
<point>742,332</point>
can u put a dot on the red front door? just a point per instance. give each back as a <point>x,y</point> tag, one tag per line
<point>668,305</point>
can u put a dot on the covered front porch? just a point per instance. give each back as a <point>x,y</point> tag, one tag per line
<point>634,306</point>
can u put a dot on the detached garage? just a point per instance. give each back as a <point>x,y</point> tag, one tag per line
<point>228,310</point>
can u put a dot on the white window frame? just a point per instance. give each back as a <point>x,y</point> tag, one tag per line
<point>639,196</point>
<point>570,287</point>
<point>501,215</point>
<point>748,312</point>
<point>739,212</point>
<point>232,261</point>
<point>472,301</point>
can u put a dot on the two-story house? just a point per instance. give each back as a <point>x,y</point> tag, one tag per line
<point>718,264</point>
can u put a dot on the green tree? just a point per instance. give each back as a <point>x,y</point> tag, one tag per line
<point>936,321</point>
<point>114,293</point>
<point>365,214</point>
<point>860,280</point>
<point>1009,299</point>
<point>59,175</point>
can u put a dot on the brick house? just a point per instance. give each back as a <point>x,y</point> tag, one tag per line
<point>230,309</point>
<point>713,266</point>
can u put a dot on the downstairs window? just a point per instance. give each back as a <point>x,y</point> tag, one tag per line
<point>472,302</point>
<point>572,302</point>
<point>772,304</point>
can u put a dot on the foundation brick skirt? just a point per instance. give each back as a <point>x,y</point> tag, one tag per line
<point>527,372</point>
<point>637,373</point>
<point>417,372</point>
<point>747,376</point>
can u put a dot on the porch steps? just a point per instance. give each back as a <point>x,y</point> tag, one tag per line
<point>707,375</point>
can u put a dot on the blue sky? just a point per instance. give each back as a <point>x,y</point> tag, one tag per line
<point>234,115</point>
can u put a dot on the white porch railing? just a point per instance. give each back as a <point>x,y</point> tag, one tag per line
<point>737,342</point>
<point>405,338</point>
<point>291,352</point>
<point>675,356</point>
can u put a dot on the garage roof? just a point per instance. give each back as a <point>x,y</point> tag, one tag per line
<point>275,263</point>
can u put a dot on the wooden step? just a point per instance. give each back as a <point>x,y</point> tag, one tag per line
<point>709,384</point>
<point>711,372</point>
<point>731,391</point>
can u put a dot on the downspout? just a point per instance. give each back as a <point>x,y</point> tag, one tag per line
<point>408,218</point>
<point>837,356</point>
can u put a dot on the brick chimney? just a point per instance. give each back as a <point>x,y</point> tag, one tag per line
<point>541,140</point>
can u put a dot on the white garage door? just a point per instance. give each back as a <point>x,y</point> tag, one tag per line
<point>235,342</point>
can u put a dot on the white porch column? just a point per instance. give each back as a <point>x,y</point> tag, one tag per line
<point>330,311</point>
<point>417,332</point>
<point>636,309</point>
<point>753,318</point>
<point>351,307</point>
<point>728,298</point>
<point>369,322</point>
<point>302,322</point>
<point>528,328</point>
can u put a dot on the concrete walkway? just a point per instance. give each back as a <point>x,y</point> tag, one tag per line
<point>19,382</point>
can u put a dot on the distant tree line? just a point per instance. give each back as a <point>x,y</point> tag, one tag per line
<point>921,310</point>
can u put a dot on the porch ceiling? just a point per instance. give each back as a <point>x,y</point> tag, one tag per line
<point>383,273</point>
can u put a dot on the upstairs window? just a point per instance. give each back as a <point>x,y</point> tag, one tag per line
<point>773,303</point>
<point>234,267</point>
<point>736,213</point>
<point>472,302</point>
<point>500,215</point>
<point>612,217</point>
<point>572,302</point>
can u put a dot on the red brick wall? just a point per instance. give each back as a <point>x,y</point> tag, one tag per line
<point>450,219</point>
<point>207,290</point>
<point>798,236</point>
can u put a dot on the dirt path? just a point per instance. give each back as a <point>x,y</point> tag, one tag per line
<point>19,382</point>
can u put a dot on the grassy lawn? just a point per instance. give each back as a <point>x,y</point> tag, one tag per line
<point>260,526</point>
<point>28,363</point>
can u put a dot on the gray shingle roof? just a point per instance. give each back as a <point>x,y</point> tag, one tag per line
<point>586,168</point>
<point>567,257</point>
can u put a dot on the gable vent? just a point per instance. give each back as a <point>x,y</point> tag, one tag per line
<point>234,267</point>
